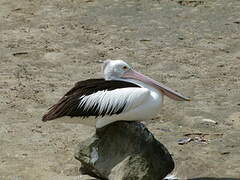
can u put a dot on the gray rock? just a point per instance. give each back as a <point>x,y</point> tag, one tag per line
<point>124,151</point>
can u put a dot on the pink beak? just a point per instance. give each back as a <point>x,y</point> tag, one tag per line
<point>131,74</point>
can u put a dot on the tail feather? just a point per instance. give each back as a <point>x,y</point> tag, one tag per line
<point>56,111</point>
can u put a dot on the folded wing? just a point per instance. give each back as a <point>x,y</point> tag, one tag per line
<point>98,97</point>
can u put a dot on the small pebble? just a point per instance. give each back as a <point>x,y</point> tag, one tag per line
<point>209,121</point>
<point>224,153</point>
<point>99,61</point>
<point>184,141</point>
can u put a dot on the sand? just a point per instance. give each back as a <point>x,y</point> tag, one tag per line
<point>191,46</point>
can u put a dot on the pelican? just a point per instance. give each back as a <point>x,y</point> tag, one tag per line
<point>122,95</point>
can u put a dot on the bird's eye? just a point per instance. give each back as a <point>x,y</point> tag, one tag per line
<point>125,67</point>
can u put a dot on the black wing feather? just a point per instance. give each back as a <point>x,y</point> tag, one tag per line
<point>68,105</point>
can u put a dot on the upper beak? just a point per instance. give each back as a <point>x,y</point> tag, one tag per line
<point>131,74</point>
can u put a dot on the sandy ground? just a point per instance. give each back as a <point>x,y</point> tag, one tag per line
<point>48,45</point>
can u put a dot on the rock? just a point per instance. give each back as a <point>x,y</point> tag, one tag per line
<point>124,151</point>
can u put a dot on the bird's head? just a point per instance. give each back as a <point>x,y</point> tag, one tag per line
<point>120,70</point>
<point>115,69</point>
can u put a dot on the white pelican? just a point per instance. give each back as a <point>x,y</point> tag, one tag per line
<point>123,94</point>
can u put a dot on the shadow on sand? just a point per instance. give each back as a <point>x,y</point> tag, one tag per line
<point>213,178</point>
<point>199,178</point>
